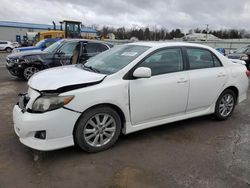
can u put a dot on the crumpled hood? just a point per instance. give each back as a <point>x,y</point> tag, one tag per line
<point>27,53</point>
<point>61,77</point>
<point>28,48</point>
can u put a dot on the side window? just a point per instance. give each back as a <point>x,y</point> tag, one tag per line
<point>92,48</point>
<point>164,61</point>
<point>3,42</point>
<point>47,44</point>
<point>102,47</point>
<point>68,48</point>
<point>201,58</point>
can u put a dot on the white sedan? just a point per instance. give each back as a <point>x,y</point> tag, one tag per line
<point>127,89</point>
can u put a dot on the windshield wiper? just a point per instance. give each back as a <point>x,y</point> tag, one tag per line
<point>91,68</point>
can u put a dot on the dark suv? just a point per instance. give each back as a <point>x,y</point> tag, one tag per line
<point>242,54</point>
<point>63,52</point>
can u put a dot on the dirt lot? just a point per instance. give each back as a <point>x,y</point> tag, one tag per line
<point>199,152</point>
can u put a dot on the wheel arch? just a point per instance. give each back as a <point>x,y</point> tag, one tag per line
<point>8,47</point>
<point>37,64</point>
<point>113,106</point>
<point>234,89</point>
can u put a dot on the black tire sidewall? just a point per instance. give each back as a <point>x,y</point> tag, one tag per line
<point>81,123</point>
<point>8,49</point>
<point>29,67</point>
<point>217,114</point>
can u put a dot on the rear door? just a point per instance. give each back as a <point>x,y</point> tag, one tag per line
<point>91,49</point>
<point>207,78</point>
<point>64,55</point>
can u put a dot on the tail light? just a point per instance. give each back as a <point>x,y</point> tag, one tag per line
<point>248,73</point>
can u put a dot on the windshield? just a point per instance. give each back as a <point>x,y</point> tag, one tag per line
<point>39,43</point>
<point>241,50</point>
<point>52,47</point>
<point>115,59</point>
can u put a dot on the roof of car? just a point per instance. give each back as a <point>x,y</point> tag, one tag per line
<point>168,44</point>
<point>87,40</point>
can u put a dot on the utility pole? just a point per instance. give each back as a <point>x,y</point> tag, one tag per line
<point>207,31</point>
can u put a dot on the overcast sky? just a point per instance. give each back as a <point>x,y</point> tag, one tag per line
<point>183,14</point>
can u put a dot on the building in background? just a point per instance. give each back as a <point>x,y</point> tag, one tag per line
<point>19,31</point>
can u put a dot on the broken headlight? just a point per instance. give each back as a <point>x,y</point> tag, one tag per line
<point>48,103</point>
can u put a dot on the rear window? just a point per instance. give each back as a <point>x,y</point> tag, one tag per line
<point>201,58</point>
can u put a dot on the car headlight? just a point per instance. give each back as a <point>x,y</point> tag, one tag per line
<point>48,103</point>
<point>244,57</point>
<point>12,60</point>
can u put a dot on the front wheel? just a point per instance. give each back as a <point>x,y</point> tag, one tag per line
<point>97,129</point>
<point>29,71</point>
<point>225,105</point>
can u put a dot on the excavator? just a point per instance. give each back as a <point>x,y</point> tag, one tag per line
<point>68,29</point>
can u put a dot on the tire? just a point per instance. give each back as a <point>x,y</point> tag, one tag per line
<point>225,105</point>
<point>8,49</point>
<point>29,71</point>
<point>88,132</point>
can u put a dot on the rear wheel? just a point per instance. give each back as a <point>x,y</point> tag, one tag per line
<point>98,129</point>
<point>29,71</point>
<point>225,105</point>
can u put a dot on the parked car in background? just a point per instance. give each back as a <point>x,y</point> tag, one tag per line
<point>242,54</point>
<point>7,46</point>
<point>63,52</point>
<point>221,50</point>
<point>126,89</point>
<point>16,45</point>
<point>39,46</point>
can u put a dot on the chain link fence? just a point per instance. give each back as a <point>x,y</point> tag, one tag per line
<point>3,56</point>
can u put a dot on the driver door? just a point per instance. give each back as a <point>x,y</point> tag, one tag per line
<point>64,55</point>
<point>165,93</point>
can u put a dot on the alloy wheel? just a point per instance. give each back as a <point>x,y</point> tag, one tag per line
<point>226,105</point>
<point>29,71</point>
<point>99,129</point>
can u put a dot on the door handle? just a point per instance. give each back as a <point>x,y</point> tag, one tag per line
<point>182,80</point>
<point>221,75</point>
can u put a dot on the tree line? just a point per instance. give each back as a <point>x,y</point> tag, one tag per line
<point>164,34</point>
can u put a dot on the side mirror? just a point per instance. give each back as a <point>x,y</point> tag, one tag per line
<point>60,53</point>
<point>142,72</point>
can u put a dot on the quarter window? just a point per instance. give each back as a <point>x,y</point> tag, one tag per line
<point>164,61</point>
<point>217,63</point>
<point>201,58</point>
